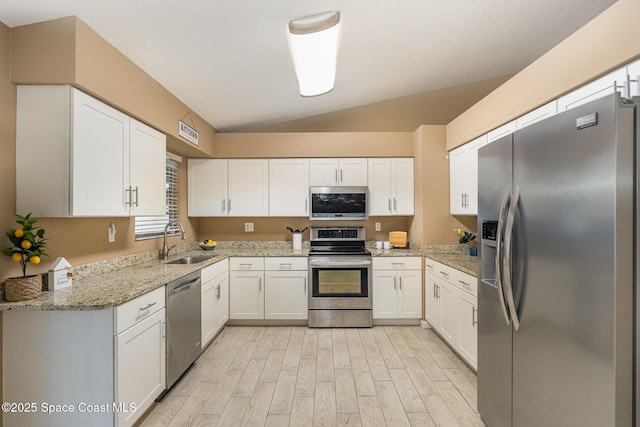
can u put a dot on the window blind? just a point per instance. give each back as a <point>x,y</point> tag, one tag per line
<point>149,227</point>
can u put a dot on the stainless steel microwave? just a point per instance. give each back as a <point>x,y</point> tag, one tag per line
<point>338,203</point>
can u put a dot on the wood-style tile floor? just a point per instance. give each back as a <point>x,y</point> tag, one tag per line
<point>296,376</point>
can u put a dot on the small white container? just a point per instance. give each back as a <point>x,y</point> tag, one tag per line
<point>378,244</point>
<point>60,275</point>
<point>297,241</point>
<point>387,245</point>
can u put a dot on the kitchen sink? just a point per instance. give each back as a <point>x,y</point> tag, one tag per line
<point>190,259</point>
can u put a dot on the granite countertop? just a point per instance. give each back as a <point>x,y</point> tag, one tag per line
<point>116,282</point>
<point>113,288</point>
<point>465,263</point>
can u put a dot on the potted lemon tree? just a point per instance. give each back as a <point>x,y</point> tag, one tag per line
<point>27,247</point>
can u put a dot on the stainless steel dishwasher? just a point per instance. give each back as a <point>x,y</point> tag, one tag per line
<point>183,325</point>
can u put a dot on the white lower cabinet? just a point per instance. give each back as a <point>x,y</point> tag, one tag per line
<point>140,367</point>
<point>397,286</point>
<point>268,288</point>
<point>286,295</point>
<point>451,305</point>
<point>246,288</point>
<point>215,299</point>
<point>116,357</point>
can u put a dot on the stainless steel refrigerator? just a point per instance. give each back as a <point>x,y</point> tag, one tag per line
<point>556,313</point>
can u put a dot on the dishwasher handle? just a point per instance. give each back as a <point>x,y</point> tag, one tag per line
<point>184,286</point>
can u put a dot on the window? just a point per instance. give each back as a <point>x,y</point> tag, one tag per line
<point>149,227</point>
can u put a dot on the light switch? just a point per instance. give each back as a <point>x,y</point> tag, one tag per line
<point>248,227</point>
<point>378,227</point>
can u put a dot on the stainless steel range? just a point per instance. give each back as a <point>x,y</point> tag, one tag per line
<point>340,277</point>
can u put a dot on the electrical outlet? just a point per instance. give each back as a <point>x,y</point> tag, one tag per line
<point>248,227</point>
<point>378,227</point>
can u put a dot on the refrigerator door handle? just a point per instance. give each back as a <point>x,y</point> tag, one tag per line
<point>506,259</point>
<point>498,260</point>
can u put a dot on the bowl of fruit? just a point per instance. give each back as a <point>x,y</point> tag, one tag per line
<point>208,245</point>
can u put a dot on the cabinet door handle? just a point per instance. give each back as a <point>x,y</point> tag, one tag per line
<point>259,284</point>
<point>437,291</point>
<point>127,199</point>
<point>444,273</point>
<point>400,282</point>
<point>306,205</point>
<point>462,200</point>
<point>395,204</point>
<point>336,176</point>
<point>395,287</point>
<point>136,190</point>
<point>464,283</point>
<point>224,205</point>
<point>229,206</point>
<point>341,177</point>
<point>389,204</point>
<point>474,319</point>
<point>151,304</point>
<point>218,292</point>
<point>286,265</point>
<point>305,285</point>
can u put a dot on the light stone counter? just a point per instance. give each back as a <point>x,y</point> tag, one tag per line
<point>109,283</point>
<point>455,256</point>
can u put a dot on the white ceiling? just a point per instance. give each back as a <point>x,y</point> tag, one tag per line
<point>229,61</point>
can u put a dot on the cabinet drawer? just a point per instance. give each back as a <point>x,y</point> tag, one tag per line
<point>212,271</point>
<point>285,263</point>
<point>440,270</point>
<point>246,263</point>
<point>130,313</point>
<point>465,282</point>
<point>396,263</point>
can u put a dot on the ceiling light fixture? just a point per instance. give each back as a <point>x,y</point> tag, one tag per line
<point>313,41</point>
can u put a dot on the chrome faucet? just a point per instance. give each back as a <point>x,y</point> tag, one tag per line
<point>165,249</point>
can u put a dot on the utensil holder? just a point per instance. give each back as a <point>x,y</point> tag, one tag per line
<point>297,241</point>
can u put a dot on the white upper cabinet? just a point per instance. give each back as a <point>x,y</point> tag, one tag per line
<point>541,113</point>
<point>633,78</point>
<point>84,149</point>
<point>289,187</point>
<point>220,187</point>
<point>391,186</point>
<point>463,178</point>
<point>612,82</point>
<point>147,168</point>
<point>248,187</point>
<point>344,171</point>
<point>207,189</point>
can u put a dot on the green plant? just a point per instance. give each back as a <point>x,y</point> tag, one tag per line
<point>27,243</point>
<point>465,237</point>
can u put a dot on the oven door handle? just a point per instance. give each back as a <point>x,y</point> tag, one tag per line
<point>339,263</point>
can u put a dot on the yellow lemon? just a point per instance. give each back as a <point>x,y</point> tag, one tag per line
<point>19,233</point>
<point>34,259</point>
<point>25,244</point>
<point>16,257</point>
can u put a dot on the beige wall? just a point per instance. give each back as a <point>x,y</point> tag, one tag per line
<point>67,51</point>
<point>314,144</point>
<point>432,221</point>
<point>605,43</point>
<point>8,158</point>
